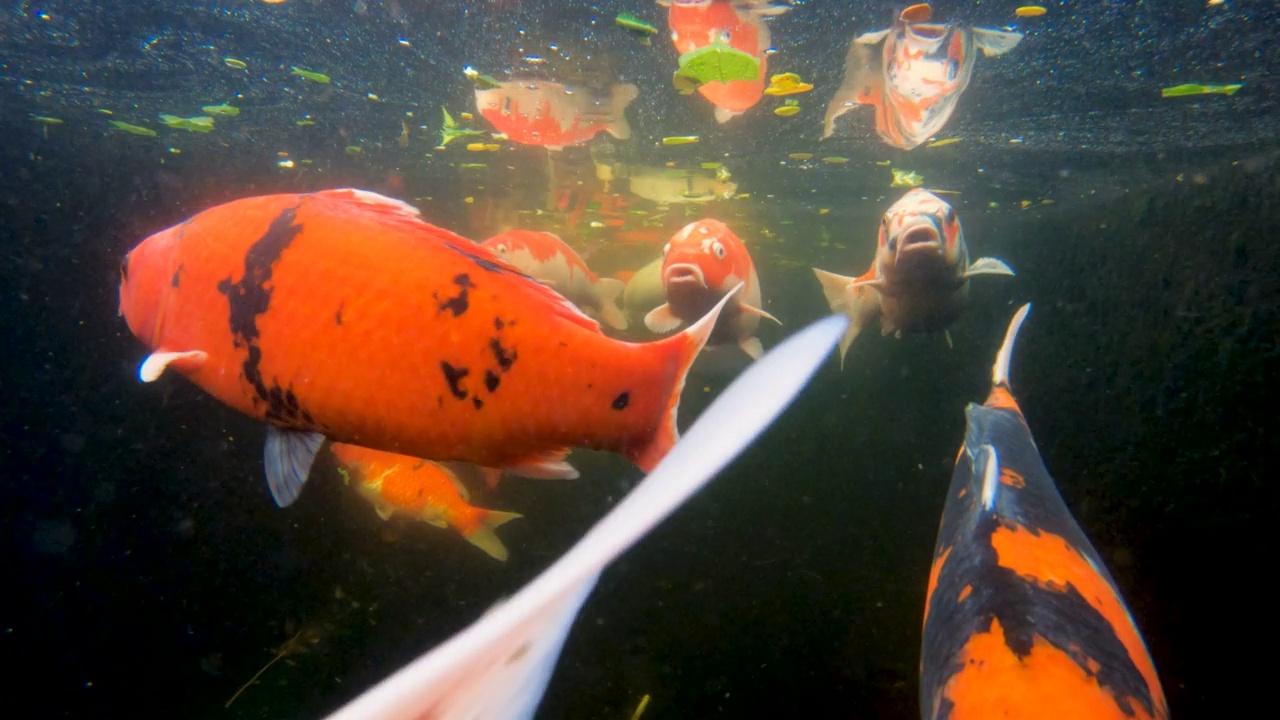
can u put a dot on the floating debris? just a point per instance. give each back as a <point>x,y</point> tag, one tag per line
<point>473,166</point>
<point>234,63</point>
<point>943,143</point>
<point>835,160</point>
<point>711,166</point>
<point>1194,89</point>
<point>499,136</point>
<point>787,84</point>
<point>223,110</point>
<point>46,120</point>
<point>310,75</point>
<point>680,139</point>
<point>199,123</point>
<point>404,133</point>
<point>285,164</point>
<point>791,108</point>
<point>637,27</point>
<point>482,81</point>
<point>132,129</point>
<point>800,156</point>
<point>823,211</point>
<point>1030,11</point>
<point>644,701</point>
<point>466,116</point>
<point>483,147</point>
<point>305,123</point>
<point>884,163</point>
<point>105,111</point>
<point>717,62</point>
<point>906,178</point>
<point>354,150</point>
<point>450,130</point>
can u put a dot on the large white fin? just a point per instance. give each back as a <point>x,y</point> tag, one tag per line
<point>1000,371</point>
<point>498,668</point>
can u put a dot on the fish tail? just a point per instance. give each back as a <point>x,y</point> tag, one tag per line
<point>622,96</point>
<point>483,535</point>
<point>686,345</point>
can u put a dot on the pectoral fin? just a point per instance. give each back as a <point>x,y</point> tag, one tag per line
<point>758,312</point>
<point>995,42</point>
<point>546,466</point>
<point>858,299</point>
<point>158,361</point>
<point>863,82</point>
<point>660,319</point>
<point>288,457</point>
<point>988,266</point>
<point>752,346</point>
<point>608,292</point>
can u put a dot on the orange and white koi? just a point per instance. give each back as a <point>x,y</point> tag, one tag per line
<point>740,24</point>
<point>915,77</point>
<point>1022,619</point>
<point>701,263</point>
<point>552,115</point>
<point>551,261</point>
<point>427,491</point>
<point>343,315</point>
<point>919,279</point>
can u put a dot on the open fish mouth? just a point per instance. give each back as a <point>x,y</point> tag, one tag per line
<point>684,274</point>
<point>918,238</point>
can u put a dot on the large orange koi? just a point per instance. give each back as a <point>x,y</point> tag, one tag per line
<point>342,314</point>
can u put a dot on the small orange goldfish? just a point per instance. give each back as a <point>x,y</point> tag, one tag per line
<point>701,263</point>
<point>343,315</point>
<point>553,115</point>
<point>551,261</point>
<point>741,24</point>
<point>919,279</point>
<point>421,489</point>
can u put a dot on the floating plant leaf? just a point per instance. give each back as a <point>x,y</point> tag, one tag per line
<point>718,62</point>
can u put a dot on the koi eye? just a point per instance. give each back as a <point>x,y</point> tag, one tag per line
<point>725,36</point>
<point>665,249</point>
<point>893,244</point>
<point>501,249</point>
<point>948,215</point>
<point>718,249</point>
<point>953,68</point>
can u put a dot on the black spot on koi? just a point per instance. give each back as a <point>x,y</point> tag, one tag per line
<point>173,282</point>
<point>504,357</point>
<point>621,402</point>
<point>459,303</point>
<point>453,376</point>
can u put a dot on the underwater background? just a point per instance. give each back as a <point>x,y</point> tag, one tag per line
<point>150,574</point>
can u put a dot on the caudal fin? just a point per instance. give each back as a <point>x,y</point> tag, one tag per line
<point>858,303</point>
<point>483,536</point>
<point>622,96</point>
<point>609,292</point>
<point>688,343</point>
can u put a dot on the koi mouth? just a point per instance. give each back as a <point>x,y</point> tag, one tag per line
<point>920,237</point>
<point>685,274</point>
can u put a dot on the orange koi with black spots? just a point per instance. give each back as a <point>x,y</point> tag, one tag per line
<point>1022,619</point>
<point>343,315</point>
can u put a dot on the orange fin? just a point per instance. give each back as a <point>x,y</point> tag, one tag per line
<point>158,361</point>
<point>685,346</point>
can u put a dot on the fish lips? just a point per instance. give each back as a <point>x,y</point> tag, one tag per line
<point>920,238</point>
<point>686,275</point>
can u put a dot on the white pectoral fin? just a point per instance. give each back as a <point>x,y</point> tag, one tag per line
<point>752,347</point>
<point>623,95</point>
<point>863,82</point>
<point>500,665</point>
<point>156,363</point>
<point>758,312</point>
<point>988,266</point>
<point>660,319</point>
<point>859,300</point>
<point>873,38</point>
<point>608,294</point>
<point>995,42</point>
<point>288,457</point>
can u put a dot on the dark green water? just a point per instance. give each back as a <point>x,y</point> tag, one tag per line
<point>150,574</point>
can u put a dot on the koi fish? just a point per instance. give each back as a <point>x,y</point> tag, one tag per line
<point>741,24</point>
<point>644,290</point>
<point>1022,618</point>
<point>500,665</point>
<point>343,315</point>
<point>701,263</point>
<point>919,279</point>
<point>915,78</point>
<point>421,489</point>
<point>552,115</point>
<point>549,260</point>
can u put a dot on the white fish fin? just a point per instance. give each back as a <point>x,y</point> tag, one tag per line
<point>660,319</point>
<point>372,200</point>
<point>384,510</point>
<point>608,293</point>
<point>758,312</point>
<point>486,539</point>
<point>988,266</point>
<point>988,463</point>
<point>499,666</point>
<point>752,346</point>
<point>288,457</point>
<point>874,37</point>
<point>995,42</point>
<point>554,148</point>
<point>546,466</point>
<point>724,116</point>
<point>621,97</point>
<point>843,296</point>
<point>863,83</point>
<point>158,361</point>
<point>1000,371</point>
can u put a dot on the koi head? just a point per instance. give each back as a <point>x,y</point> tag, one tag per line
<point>920,233</point>
<point>704,255</point>
<point>146,279</point>
<point>538,245</point>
